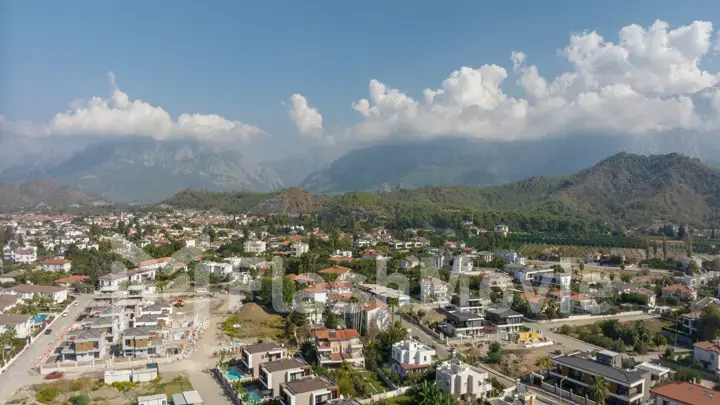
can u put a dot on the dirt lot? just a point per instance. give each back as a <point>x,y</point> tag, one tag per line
<point>516,361</point>
<point>60,391</point>
<point>253,322</point>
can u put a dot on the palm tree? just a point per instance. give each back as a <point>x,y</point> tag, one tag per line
<point>599,391</point>
<point>393,303</point>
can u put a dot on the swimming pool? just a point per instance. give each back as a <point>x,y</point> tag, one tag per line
<point>234,374</point>
<point>40,318</point>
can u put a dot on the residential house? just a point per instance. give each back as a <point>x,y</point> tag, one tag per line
<point>433,290</point>
<point>627,387</point>
<point>83,345</point>
<point>504,319</point>
<point>496,280</point>
<point>255,355</point>
<point>684,393</point>
<point>319,292</point>
<point>485,256</point>
<point>409,262</point>
<point>219,269</point>
<point>689,322</point>
<point>255,246</point>
<point>680,291</point>
<point>23,324</point>
<point>543,277</point>
<point>658,374</point>
<point>299,248</point>
<point>648,294</point>
<point>71,281</point>
<point>371,315</point>
<point>274,373</point>
<point>337,346</point>
<point>8,302</point>
<point>572,302</point>
<point>384,294</point>
<point>461,380</point>
<point>29,291</point>
<point>410,356</point>
<point>685,262</point>
<point>141,342</point>
<point>469,303</point>
<point>708,355</point>
<point>26,255</point>
<point>56,265</point>
<point>462,264</point>
<point>309,391</point>
<point>342,273</point>
<point>460,323</point>
<point>502,229</point>
<point>155,264</point>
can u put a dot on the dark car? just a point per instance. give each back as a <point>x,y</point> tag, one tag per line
<point>48,331</point>
<point>55,375</point>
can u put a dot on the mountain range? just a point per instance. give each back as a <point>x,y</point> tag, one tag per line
<point>625,189</point>
<point>413,164</point>
<point>146,170</point>
<point>37,193</point>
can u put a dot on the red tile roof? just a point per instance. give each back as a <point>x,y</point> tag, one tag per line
<point>73,280</point>
<point>687,393</point>
<point>336,334</point>
<point>335,270</point>
<point>709,347</point>
<point>678,287</point>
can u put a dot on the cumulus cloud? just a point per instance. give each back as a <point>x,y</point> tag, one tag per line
<point>119,115</point>
<point>648,81</point>
<point>308,119</point>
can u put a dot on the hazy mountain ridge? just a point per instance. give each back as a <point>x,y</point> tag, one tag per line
<point>444,162</point>
<point>138,169</point>
<point>624,188</point>
<point>33,193</point>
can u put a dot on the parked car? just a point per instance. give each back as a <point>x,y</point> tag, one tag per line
<point>48,331</point>
<point>65,314</point>
<point>55,375</point>
<point>201,291</point>
<point>76,303</point>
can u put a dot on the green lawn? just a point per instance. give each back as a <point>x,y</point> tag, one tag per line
<point>176,385</point>
<point>376,384</point>
<point>399,400</point>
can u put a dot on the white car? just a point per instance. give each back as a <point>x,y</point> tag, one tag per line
<point>201,291</point>
<point>64,314</point>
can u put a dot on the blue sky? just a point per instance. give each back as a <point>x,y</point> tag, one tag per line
<point>241,60</point>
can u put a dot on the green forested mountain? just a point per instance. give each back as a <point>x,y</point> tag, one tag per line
<point>624,189</point>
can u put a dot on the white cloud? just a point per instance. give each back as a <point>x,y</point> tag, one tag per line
<point>119,115</point>
<point>648,81</point>
<point>308,119</point>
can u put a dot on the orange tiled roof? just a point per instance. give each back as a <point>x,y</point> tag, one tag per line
<point>340,334</point>
<point>708,346</point>
<point>679,288</point>
<point>335,270</point>
<point>687,393</point>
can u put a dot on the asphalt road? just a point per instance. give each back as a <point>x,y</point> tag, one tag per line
<point>441,351</point>
<point>18,375</point>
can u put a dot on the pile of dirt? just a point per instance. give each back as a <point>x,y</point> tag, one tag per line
<point>252,312</point>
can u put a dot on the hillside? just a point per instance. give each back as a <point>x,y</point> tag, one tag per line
<point>624,189</point>
<point>33,193</point>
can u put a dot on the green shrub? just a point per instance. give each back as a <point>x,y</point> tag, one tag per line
<point>122,385</point>
<point>47,395</point>
<point>81,399</point>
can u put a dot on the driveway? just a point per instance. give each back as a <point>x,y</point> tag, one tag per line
<point>18,374</point>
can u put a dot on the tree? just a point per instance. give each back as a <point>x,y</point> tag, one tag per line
<point>682,233</point>
<point>599,391</point>
<point>688,374</point>
<point>393,303</point>
<point>427,393</point>
<point>332,320</point>
<point>659,339</point>
<point>309,352</point>
<point>709,323</point>
<point>625,277</point>
<point>82,399</point>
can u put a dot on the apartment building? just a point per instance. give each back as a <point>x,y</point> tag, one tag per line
<point>218,269</point>
<point>460,323</point>
<point>309,391</point>
<point>433,290</point>
<point>336,346</point>
<point>684,393</point>
<point>462,264</point>
<point>543,277</point>
<point>83,345</point>
<point>579,371</point>
<point>410,356</point>
<point>255,355</point>
<point>462,380</point>
<point>708,355</point>
<point>385,294</point>
<point>274,373</point>
<point>373,315</point>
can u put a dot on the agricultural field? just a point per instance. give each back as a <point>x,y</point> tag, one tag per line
<point>674,251</point>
